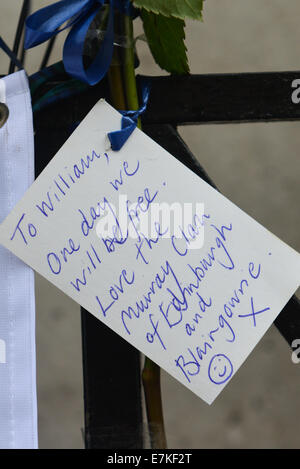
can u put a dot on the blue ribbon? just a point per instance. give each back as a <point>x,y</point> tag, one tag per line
<point>129,120</point>
<point>79,14</point>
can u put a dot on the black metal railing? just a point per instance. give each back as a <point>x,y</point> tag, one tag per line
<point>112,393</point>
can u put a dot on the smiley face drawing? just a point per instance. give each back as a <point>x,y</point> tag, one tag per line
<point>220,369</point>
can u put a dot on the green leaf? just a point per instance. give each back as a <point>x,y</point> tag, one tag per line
<point>166,41</point>
<point>177,8</point>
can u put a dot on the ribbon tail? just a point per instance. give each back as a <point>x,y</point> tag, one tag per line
<point>129,120</point>
<point>74,48</point>
<point>45,23</point>
<point>119,137</point>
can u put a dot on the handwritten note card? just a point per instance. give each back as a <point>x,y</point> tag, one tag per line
<point>154,252</point>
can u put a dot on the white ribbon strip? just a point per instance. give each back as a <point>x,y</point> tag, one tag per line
<point>18,403</point>
<point>2,92</point>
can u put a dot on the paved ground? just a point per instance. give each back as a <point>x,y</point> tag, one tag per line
<point>257,167</point>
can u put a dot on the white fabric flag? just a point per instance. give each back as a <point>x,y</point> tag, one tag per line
<point>18,404</point>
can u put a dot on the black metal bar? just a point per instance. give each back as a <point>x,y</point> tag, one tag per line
<point>207,99</point>
<point>113,416</point>
<point>19,31</point>
<point>47,53</point>
<point>112,388</point>
<point>223,98</point>
<point>288,321</point>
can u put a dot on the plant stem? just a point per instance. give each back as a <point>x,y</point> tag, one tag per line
<point>152,389</point>
<point>128,68</point>
<point>115,83</point>
<point>117,92</point>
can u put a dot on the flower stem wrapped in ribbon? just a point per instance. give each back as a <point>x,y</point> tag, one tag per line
<point>129,121</point>
<point>79,14</point>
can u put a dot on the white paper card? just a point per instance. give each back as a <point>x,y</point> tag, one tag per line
<point>154,252</point>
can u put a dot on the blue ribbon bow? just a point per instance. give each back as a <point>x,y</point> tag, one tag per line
<point>117,138</point>
<point>79,14</point>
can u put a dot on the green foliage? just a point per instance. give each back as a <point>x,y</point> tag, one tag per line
<point>163,22</point>
<point>166,41</point>
<point>177,8</point>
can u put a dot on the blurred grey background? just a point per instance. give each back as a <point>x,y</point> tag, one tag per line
<point>257,167</point>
